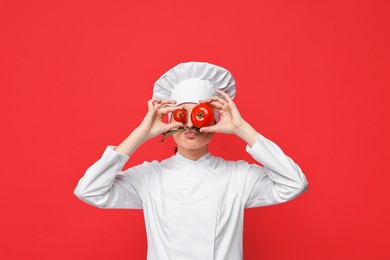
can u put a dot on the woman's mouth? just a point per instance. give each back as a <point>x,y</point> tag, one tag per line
<point>191,133</point>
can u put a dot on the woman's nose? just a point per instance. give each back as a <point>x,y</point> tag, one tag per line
<point>188,122</point>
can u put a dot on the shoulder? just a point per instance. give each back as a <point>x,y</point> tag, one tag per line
<point>158,166</point>
<point>147,167</point>
<point>229,166</point>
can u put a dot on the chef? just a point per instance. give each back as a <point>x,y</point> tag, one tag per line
<point>193,201</point>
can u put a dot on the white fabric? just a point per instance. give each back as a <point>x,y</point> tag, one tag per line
<point>194,81</point>
<point>194,209</point>
<point>192,90</point>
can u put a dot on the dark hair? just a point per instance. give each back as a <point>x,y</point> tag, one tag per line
<point>175,151</point>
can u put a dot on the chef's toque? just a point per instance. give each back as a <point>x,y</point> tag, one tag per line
<point>194,81</point>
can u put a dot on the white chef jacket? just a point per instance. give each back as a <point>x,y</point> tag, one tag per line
<point>194,210</point>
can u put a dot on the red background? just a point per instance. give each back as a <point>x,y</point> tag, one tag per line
<point>311,76</point>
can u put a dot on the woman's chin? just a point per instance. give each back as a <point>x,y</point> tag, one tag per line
<point>191,144</point>
<point>191,141</point>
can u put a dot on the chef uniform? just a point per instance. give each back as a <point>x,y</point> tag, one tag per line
<point>194,209</point>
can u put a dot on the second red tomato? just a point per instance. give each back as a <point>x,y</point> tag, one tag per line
<point>202,115</point>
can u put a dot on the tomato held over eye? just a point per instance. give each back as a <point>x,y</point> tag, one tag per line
<point>202,115</point>
<point>180,115</point>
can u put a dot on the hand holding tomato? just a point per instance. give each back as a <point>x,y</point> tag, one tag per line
<point>230,118</point>
<point>152,124</point>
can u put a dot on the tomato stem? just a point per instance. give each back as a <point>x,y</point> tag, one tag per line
<point>174,131</point>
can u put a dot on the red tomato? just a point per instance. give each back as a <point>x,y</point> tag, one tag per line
<point>202,115</point>
<point>180,115</point>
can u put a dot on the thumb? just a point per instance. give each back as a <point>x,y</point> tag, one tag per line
<point>208,129</point>
<point>173,125</point>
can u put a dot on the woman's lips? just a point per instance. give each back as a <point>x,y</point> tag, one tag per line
<point>191,133</point>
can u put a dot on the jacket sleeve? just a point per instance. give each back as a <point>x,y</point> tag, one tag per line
<point>280,180</point>
<point>104,185</point>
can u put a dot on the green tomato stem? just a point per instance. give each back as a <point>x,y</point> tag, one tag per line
<point>171,132</point>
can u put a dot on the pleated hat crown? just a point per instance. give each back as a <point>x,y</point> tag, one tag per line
<point>194,81</point>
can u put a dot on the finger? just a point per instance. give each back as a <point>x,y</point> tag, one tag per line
<point>174,125</point>
<point>165,110</point>
<point>161,103</point>
<point>216,99</point>
<point>224,95</point>
<point>154,100</point>
<point>168,101</point>
<point>224,113</point>
<point>215,105</point>
<point>208,129</point>
<point>151,103</point>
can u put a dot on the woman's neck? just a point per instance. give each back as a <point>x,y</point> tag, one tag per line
<point>193,154</point>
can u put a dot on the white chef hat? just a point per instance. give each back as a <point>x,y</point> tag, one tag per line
<point>194,81</point>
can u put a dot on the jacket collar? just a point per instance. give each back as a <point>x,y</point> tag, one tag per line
<point>205,159</point>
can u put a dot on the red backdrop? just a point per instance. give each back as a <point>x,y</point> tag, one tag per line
<point>311,76</point>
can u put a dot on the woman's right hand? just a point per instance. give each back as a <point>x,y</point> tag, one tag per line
<point>152,125</point>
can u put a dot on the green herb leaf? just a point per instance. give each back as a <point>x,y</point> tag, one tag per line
<point>174,131</point>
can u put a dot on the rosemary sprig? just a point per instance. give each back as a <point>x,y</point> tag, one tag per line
<point>174,131</point>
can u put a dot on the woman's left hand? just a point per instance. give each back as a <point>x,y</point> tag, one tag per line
<point>230,120</point>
